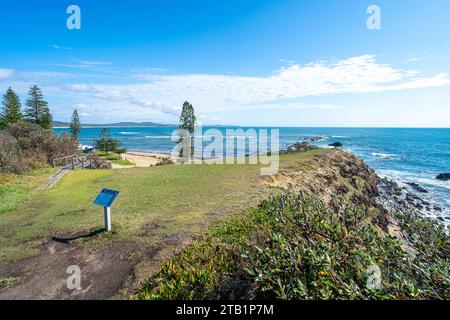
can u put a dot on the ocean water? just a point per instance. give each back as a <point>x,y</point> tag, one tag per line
<point>403,155</point>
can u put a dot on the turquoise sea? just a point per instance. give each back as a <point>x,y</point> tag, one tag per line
<point>403,155</point>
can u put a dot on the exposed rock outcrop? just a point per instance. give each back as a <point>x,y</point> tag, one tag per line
<point>334,174</point>
<point>417,187</point>
<point>336,145</point>
<point>299,147</point>
<point>316,138</point>
<point>443,176</point>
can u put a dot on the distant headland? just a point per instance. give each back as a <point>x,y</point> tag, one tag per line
<point>61,124</point>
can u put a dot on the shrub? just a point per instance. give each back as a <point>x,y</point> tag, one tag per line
<point>292,247</point>
<point>11,156</point>
<point>164,161</point>
<point>29,146</point>
<point>101,163</point>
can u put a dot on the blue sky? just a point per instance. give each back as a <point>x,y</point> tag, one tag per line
<point>245,62</point>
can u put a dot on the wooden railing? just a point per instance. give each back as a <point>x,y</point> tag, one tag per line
<point>75,161</point>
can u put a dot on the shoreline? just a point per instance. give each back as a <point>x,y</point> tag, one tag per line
<point>145,159</point>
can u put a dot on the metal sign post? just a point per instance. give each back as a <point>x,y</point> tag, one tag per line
<point>105,199</point>
<point>107,218</point>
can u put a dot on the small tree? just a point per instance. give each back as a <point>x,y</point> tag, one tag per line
<point>10,112</point>
<point>106,142</point>
<point>37,109</point>
<point>187,117</point>
<point>121,152</point>
<point>75,125</point>
<point>187,122</point>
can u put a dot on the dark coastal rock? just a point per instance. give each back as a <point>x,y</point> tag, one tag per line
<point>316,138</point>
<point>300,146</point>
<point>417,187</point>
<point>391,188</point>
<point>336,144</point>
<point>394,198</point>
<point>443,176</point>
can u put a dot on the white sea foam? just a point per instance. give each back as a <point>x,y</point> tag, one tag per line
<point>157,137</point>
<point>385,155</point>
<point>434,182</point>
<point>127,133</point>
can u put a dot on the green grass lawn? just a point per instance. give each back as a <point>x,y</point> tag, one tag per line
<point>124,162</point>
<point>154,202</point>
<point>14,189</point>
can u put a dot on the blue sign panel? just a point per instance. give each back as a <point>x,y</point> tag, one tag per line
<point>106,198</point>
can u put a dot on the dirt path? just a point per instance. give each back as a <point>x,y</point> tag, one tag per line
<point>104,271</point>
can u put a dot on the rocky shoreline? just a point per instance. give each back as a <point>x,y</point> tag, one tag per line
<point>397,198</point>
<point>387,195</point>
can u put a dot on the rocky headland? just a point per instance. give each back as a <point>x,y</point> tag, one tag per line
<point>342,175</point>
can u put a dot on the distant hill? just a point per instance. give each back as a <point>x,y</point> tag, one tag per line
<point>62,124</point>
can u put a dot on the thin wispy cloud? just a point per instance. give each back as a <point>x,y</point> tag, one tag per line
<point>93,62</point>
<point>83,64</point>
<point>56,46</point>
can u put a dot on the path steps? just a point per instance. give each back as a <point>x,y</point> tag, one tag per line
<point>54,178</point>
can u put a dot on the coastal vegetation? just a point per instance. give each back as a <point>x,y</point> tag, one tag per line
<point>295,247</point>
<point>187,123</point>
<point>26,146</point>
<point>75,125</point>
<point>10,109</point>
<point>249,237</point>
<point>27,141</point>
<point>114,158</point>
<point>37,110</point>
<point>106,142</point>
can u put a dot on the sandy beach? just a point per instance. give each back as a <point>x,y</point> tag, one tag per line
<point>145,159</point>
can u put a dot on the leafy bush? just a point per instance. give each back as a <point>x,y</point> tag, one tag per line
<point>125,162</point>
<point>25,146</point>
<point>101,163</point>
<point>100,153</point>
<point>293,247</point>
<point>11,155</point>
<point>112,157</point>
<point>164,161</point>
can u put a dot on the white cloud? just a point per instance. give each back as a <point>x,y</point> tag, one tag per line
<point>281,89</point>
<point>414,59</point>
<point>56,46</point>
<point>6,73</point>
<point>160,95</point>
<point>93,63</point>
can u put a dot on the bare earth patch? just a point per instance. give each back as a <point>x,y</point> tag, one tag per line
<point>103,272</point>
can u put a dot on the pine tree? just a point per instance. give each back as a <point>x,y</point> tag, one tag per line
<point>46,120</point>
<point>75,125</point>
<point>187,122</point>
<point>106,142</point>
<point>37,109</point>
<point>10,112</point>
<point>187,117</point>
